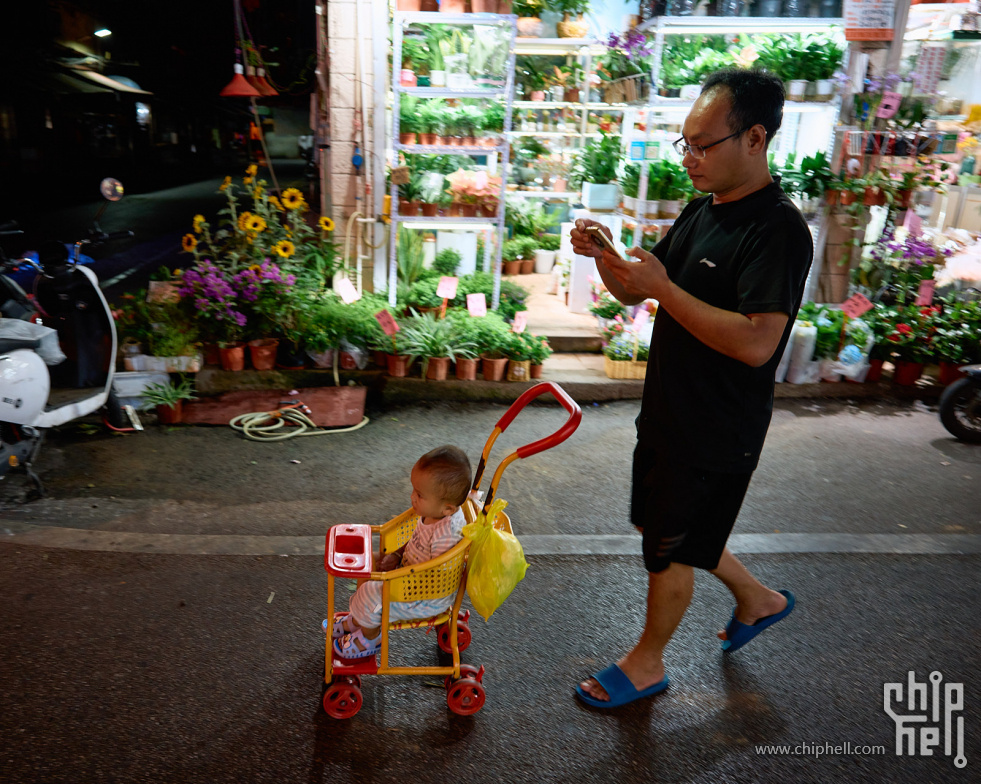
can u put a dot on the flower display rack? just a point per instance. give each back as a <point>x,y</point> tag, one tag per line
<point>497,155</point>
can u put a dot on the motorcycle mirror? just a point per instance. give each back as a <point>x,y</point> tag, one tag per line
<point>111,189</point>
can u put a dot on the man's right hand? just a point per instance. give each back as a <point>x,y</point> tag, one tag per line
<point>583,243</point>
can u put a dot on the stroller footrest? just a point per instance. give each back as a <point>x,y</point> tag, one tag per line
<point>348,551</point>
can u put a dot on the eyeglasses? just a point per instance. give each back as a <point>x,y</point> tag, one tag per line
<point>698,150</point>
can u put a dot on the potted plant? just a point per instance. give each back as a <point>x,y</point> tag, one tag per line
<point>538,351</point>
<point>430,120</point>
<point>824,57</point>
<point>447,261</point>
<point>529,17</point>
<point>595,170</point>
<point>491,337</point>
<point>413,55</point>
<point>410,195</point>
<point>408,119</point>
<point>528,247</point>
<point>435,34</point>
<point>435,341</point>
<point>569,28</point>
<point>625,356</point>
<point>518,352</point>
<point>879,188</point>
<point>533,81</point>
<point>430,190</point>
<point>168,398</point>
<point>466,336</point>
<point>672,189</point>
<point>957,340</point>
<point>511,252</point>
<point>548,245</point>
<point>492,122</point>
<point>629,185</point>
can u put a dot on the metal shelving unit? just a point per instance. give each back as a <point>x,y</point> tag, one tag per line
<point>498,154</point>
<point>662,107</point>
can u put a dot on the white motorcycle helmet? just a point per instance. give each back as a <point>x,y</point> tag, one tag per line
<point>25,386</point>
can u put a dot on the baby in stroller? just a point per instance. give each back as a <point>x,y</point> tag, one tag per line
<point>440,484</point>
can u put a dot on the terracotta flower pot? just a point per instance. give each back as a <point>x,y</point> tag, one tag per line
<point>408,5</point>
<point>831,197</point>
<point>536,370</point>
<point>512,267</point>
<point>398,365</point>
<point>527,266</point>
<point>488,210</point>
<point>875,371</point>
<point>428,138</point>
<point>429,210</point>
<point>949,373</point>
<point>874,197</point>
<point>519,370</point>
<point>493,368</point>
<point>466,369</point>
<point>438,368</point>
<point>469,210</point>
<point>408,208</point>
<point>212,355</point>
<point>907,372</point>
<point>232,356</point>
<point>455,211</point>
<point>847,197</point>
<point>453,6</point>
<point>483,6</point>
<point>407,138</point>
<point>904,199</point>
<point>263,352</point>
<point>171,415</point>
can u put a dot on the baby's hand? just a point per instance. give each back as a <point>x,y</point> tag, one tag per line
<point>389,562</point>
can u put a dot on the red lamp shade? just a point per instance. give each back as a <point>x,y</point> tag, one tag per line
<point>259,81</point>
<point>239,86</point>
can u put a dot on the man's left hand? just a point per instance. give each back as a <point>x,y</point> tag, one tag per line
<point>645,278</point>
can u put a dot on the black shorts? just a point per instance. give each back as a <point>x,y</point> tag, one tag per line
<point>686,513</point>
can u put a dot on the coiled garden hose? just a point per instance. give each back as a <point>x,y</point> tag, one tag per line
<point>286,423</point>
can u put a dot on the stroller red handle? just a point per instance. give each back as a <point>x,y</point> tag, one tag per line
<point>560,435</point>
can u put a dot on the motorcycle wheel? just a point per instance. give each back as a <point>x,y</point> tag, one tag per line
<point>960,410</point>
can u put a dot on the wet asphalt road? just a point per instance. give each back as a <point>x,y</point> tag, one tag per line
<point>130,663</point>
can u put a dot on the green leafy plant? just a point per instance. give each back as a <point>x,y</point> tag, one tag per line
<point>411,260</point>
<point>447,261</point>
<point>630,180</point>
<point>538,347</point>
<point>528,7</point>
<point>414,53</point>
<point>597,162</point>
<point>168,394</point>
<point>816,176</point>
<point>426,336</point>
<point>549,242</point>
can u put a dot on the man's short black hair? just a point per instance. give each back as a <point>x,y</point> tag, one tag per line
<point>757,98</point>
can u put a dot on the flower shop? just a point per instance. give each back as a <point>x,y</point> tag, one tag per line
<point>504,122</point>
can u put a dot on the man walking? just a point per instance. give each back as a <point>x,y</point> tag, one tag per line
<point>729,277</point>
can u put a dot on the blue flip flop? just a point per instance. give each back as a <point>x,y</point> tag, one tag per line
<point>619,687</point>
<point>739,633</point>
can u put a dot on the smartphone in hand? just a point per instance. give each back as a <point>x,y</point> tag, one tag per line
<point>600,238</point>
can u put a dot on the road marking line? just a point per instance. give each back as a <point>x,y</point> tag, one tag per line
<point>533,544</point>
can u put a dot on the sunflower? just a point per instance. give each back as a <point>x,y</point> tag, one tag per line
<point>247,180</point>
<point>275,202</point>
<point>285,248</point>
<point>292,199</point>
<point>189,243</point>
<point>251,170</point>
<point>225,184</point>
<point>255,223</point>
<point>326,224</point>
<point>255,268</point>
<point>243,220</point>
<point>198,223</point>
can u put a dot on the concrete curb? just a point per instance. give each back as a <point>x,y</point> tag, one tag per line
<point>385,390</point>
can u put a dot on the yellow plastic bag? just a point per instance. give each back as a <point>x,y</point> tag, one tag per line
<point>497,562</point>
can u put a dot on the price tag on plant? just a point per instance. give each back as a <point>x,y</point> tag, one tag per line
<point>889,105</point>
<point>913,224</point>
<point>856,305</point>
<point>401,175</point>
<point>387,322</point>
<point>477,304</point>
<point>924,296</point>
<point>347,292</point>
<point>447,287</point>
<point>520,321</point>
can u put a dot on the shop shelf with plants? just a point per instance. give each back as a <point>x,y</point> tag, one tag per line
<point>478,65</point>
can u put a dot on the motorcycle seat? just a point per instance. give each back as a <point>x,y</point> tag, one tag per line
<point>10,344</point>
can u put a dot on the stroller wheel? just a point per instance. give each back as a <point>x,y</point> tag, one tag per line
<point>463,637</point>
<point>465,696</point>
<point>342,699</point>
<point>466,671</point>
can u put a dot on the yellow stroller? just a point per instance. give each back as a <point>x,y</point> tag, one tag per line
<point>348,553</point>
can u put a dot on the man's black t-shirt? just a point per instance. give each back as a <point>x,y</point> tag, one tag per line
<point>747,256</point>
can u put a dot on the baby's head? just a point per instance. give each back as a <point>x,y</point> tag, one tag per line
<point>440,482</point>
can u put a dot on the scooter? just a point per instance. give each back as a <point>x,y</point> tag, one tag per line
<point>960,406</point>
<point>67,321</point>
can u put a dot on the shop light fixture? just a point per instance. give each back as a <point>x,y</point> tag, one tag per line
<point>442,226</point>
<point>103,33</point>
<point>239,86</point>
